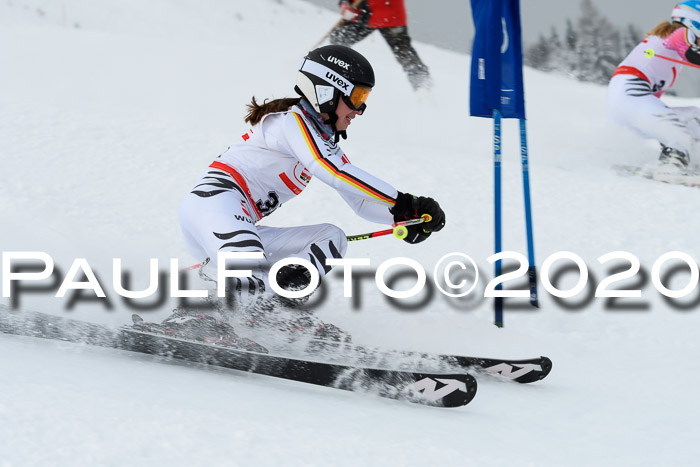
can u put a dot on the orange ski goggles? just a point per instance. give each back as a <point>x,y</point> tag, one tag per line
<point>357,98</point>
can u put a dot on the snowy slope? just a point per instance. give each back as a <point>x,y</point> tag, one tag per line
<point>110,110</point>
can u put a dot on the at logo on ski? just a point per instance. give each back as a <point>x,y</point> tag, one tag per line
<point>506,369</point>
<point>428,387</point>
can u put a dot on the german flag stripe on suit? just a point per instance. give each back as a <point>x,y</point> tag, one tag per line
<point>335,171</point>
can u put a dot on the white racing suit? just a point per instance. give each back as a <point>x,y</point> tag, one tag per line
<point>636,87</point>
<point>272,164</point>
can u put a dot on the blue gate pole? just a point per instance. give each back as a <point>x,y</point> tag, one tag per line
<point>498,303</point>
<point>531,272</point>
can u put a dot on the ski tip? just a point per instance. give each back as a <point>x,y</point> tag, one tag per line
<point>545,367</point>
<point>464,396</point>
<point>472,387</point>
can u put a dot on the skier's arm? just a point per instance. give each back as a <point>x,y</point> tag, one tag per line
<point>367,194</point>
<point>327,162</point>
<point>369,210</point>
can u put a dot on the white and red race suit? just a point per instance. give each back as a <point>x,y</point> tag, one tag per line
<point>272,164</point>
<point>641,79</point>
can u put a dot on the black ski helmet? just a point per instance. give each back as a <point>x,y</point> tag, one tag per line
<point>331,73</point>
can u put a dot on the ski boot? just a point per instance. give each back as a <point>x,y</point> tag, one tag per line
<point>673,167</point>
<point>317,329</point>
<point>297,277</point>
<point>321,336</point>
<point>296,324</point>
<point>195,326</point>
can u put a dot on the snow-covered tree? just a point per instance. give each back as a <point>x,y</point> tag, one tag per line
<point>591,48</point>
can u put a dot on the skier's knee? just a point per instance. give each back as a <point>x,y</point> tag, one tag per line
<point>337,240</point>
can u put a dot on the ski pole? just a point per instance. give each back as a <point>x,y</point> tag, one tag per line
<point>651,53</point>
<point>398,229</point>
<point>531,271</point>
<point>497,213</point>
<point>340,22</point>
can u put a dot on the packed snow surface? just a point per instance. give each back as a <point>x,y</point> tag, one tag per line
<point>109,112</point>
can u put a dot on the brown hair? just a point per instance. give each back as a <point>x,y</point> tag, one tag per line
<point>664,29</point>
<point>256,111</point>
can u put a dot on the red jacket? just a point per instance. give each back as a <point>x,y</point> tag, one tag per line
<point>387,13</point>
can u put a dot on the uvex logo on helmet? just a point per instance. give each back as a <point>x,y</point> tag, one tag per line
<point>337,80</point>
<point>338,62</point>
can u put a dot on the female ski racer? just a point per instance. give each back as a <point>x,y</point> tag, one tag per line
<point>292,141</point>
<point>648,71</point>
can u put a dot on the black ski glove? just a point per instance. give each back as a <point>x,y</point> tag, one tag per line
<point>693,54</point>
<point>409,207</point>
